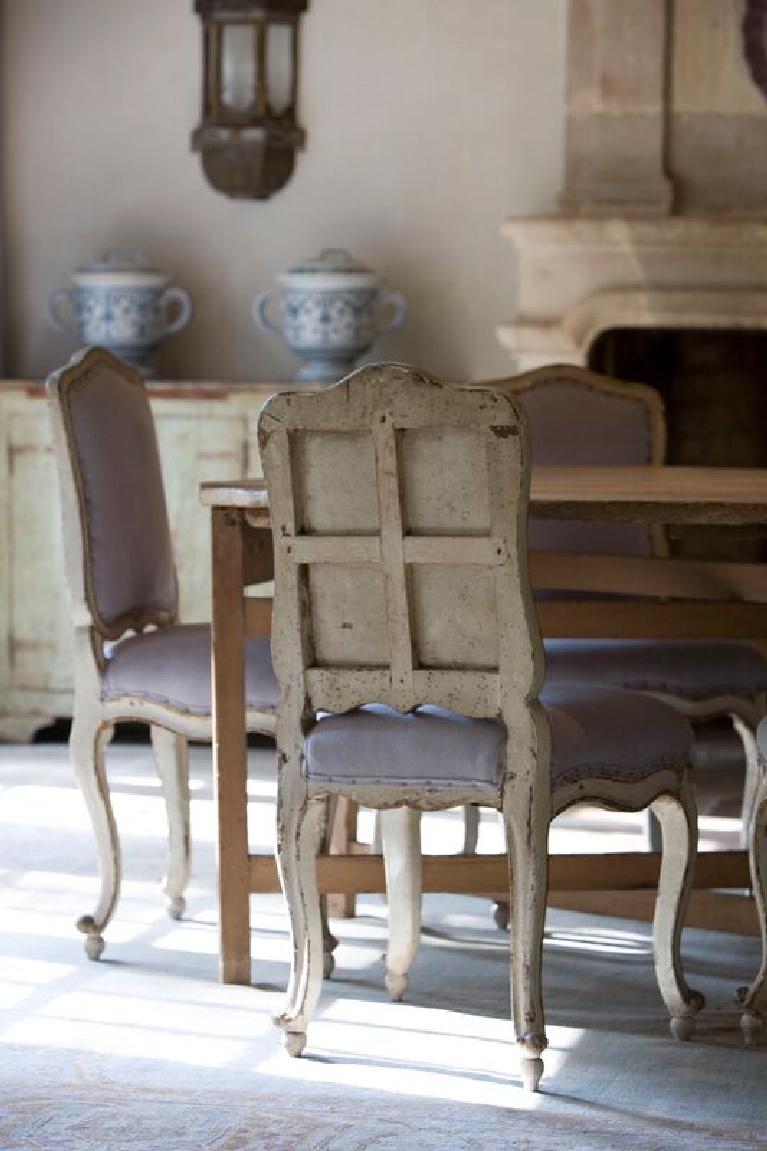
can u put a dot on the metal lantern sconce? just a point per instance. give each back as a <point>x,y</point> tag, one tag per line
<point>249,137</point>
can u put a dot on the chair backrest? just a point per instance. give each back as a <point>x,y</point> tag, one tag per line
<point>117,543</point>
<point>578,417</point>
<point>398,510</point>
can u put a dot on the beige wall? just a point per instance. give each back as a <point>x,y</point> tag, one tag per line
<point>428,121</point>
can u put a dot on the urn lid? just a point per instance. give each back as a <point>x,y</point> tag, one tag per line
<point>332,268</point>
<point>119,267</point>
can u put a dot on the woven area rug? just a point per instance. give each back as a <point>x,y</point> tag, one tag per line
<point>146,1051</point>
<point>149,1120</point>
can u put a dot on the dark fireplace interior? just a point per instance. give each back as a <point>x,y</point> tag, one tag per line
<point>714,389</point>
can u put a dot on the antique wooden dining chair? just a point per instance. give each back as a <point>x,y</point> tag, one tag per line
<point>133,660</point>
<point>578,417</point>
<point>753,999</point>
<point>405,643</point>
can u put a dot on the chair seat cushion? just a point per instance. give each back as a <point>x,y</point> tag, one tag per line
<point>694,669</point>
<point>171,666</point>
<point>596,732</point>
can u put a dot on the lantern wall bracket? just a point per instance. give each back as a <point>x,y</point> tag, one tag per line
<point>248,136</point>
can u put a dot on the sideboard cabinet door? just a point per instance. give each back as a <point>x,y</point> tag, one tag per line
<point>35,648</point>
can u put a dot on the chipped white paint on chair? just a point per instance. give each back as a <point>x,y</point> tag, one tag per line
<point>398,513</point>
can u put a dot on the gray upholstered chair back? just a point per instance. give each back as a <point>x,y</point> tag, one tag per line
<point>398,510</point>
<point>578,417</point>
<point>128,569</point>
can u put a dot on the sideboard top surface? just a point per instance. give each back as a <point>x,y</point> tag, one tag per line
<point>183,389</point>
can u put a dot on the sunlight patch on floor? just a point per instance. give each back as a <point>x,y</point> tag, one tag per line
<point>481,1063</point>
<point>127,1041</point>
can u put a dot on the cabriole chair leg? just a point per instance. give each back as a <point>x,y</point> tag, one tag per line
<point>299,829</point>
<point>677,818</point>
<point>171,754</point>
<point>87,746</point>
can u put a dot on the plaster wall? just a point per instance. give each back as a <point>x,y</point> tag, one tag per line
<point>428,121</point>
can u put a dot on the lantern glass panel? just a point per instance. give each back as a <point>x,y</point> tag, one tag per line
<point>239,66</point>
<point>279,67</point>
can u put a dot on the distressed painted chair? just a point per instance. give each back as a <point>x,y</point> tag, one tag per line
<point>578,417</point>
<point>405,643</point>
<point>133,660</point>
<point>753,999</point>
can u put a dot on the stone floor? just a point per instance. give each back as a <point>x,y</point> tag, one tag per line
<point>146,1048</point>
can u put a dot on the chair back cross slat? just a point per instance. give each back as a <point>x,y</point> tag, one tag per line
<point>398,508</point>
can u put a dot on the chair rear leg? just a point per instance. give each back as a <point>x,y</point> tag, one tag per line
<point>87,745</point>
<point>527,840</point>
<point>401,838</point>
<point>677,817</point>
<point>171,754</point>
<point>753,999</point>
<point>299,828</point>
<point>747,737</point>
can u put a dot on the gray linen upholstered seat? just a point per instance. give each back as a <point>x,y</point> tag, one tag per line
<point>410,665</point>
<point>171,666</point>
<point>132,659</point>
<point>578,417</point>
<point>694,669</point>
<point>433,747</point>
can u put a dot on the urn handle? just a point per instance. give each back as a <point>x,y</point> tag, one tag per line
<point>399,303</point>
<point>260,313</point>
<point>53,311</point>
<point>184,300</point>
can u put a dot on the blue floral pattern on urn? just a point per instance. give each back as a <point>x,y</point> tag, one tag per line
<point>122,304</point>
<point>331,310</point>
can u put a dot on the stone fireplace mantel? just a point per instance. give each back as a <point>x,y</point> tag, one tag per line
<point>581,276</point>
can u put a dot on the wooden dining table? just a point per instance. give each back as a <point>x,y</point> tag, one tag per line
<point>649,597</point>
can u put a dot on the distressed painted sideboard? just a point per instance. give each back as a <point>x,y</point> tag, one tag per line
<point>205,431</point>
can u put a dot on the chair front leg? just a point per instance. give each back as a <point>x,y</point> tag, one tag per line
<point>401,841</point>
<point>753,999</point>
<point>527,840</point>
<point>87,745</point>
<point>677,817</point>
<point>299,828</point>
<point>171,754</point>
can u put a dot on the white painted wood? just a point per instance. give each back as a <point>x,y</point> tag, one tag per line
<point>469,453</point>
<point>400,829</point>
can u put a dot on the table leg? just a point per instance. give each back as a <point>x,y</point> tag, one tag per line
<point>230,753</point>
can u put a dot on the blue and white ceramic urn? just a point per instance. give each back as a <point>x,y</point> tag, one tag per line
<point>123,304</point>
<point>330,312</point>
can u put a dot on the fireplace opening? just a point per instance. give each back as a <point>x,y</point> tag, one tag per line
<point>714,389</point>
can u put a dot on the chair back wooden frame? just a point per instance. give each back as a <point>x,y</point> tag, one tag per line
<point>642,396</point>
<point>398,510</point>
<point>404,428</point>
